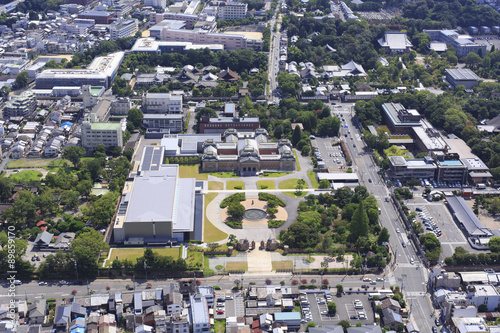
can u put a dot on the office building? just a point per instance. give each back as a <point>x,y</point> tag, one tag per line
<point>121,106</point>
<point>172,122</point>
<point>157,206</point>
<point>395,42</point>
<point>107,133</point>
<point>450,168</point>
<point>247,153</point>
<point>232,10</point>
<point>478,171</point>
<point>100,72</point>
<point>21,105</point>
<point>188,20</point>
<point>122,10</point>
<point>100,17</point>
<point>464,44</point>
<point>123,28</point>
<point>462,76</point>
<point>162,103</point>
<point>406,169</point>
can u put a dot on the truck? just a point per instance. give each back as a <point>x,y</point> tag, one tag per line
<point>481,186</point>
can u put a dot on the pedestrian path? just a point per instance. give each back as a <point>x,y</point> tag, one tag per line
<point>259,262</point>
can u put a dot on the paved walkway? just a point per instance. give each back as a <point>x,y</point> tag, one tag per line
<point>259,262</point>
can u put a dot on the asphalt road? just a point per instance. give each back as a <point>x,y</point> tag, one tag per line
<point>412,277</point>
<point>274,54</point>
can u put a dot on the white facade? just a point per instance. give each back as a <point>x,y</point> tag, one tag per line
<point>121,106</point>
<point>161,103</point>
<point>109,134</point>
<point>199,313</point>
<point>232,10</point>
<point>123,28</point>
<point>156,3</point>
<point>483,294</point>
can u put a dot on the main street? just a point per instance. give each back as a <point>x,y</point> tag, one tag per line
<point>407,270</point>
<point>274,54</point>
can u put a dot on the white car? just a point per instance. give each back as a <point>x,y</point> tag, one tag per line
<point>397,230</point>
<point>42,283</point>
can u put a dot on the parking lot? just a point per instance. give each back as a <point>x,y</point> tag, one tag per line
<point>346,309</point>
<point>437,212</point>
<point>228,304</point>
<point>332,156</point>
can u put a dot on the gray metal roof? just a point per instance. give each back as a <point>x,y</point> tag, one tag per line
<point>462,212</point>
<point>461,74</point>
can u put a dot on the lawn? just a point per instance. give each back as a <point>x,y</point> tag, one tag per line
<point>194,259</point>
<point>35,163</point>
<point>296,160</point>
<point>192,171</point>
<point>291,184</point>
<point>215,186</point>
<point>282,265</point>
<point>274,174</point>
<point>26,176</point>
<point>224,174</point>
<point>211,233</point>
<point>266,184</point>
<point>312,177</point>
<point>220,326</point>
<point>133,254</point>
<point>235,185</point>
<point>237,266</point>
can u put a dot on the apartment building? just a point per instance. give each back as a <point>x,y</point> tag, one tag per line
<point>122,10</point>
<point>20,106</point>
<point>123,28</point>
<point>232,10</point>
<point>162,103</point>
<point>199,314</point>
<point>109,134</point>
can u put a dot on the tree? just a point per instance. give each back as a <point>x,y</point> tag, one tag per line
<point>70,199</point>
<point>300,185</point>
<point>74,154</point>
<point>22,80</point>
<point>84,187</point>
<point>310,324</point>
<point>332,308</point>
<point>494,244</point>
<point>6,188</point>
<point>135,116</point>
<point>297,135</point>
<point>86,249</point>
<point>236,210</point>
<point>383,236</point>
<point>431,245</point>
<point>212,246</point>
<point>359,222</point>
<point>128,153</point>
<point>340,289</point>
<point>494,206</point>
<point>271,211</point>
<point>324,184</point>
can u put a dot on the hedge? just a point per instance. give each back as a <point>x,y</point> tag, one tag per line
<point>235,197</point>
<point>235,224</point>
<point>275,223</point>
<point>272,198</point>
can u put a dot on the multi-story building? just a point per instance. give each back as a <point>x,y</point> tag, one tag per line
<point>80,2</point>
<point>100,72</point>
<point>123,28</point>
<point>199,36</point>
<point>161,103</point>
<point>199,313</point>
<point>150,45</point>
<point>232,10</point>
<point>72,8</point>
<point>247,153</point>
<point>478,170</point>
<point>450,168</point>
<point>464,44</point>
<point>20,106</point>
<point>121,106</point>
<point>220,125</point>
<point>405,169</point>
<point>483,294</point>
<point>173,122</point>
<point>188,19</point>
<point>109,134</point>
<point>100,17</point>
<point>122,10</point>
<point>156,3</point>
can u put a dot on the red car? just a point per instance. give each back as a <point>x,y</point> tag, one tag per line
<point>220,311</point>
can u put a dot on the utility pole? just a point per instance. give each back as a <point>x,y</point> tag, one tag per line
<point>146,269</point>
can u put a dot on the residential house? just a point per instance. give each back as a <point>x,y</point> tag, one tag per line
<point>391,318</point>
<point>36,312</point>
<point>391,304</point>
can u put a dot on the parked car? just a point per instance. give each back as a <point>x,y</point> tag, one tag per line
<point>42,283</point>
